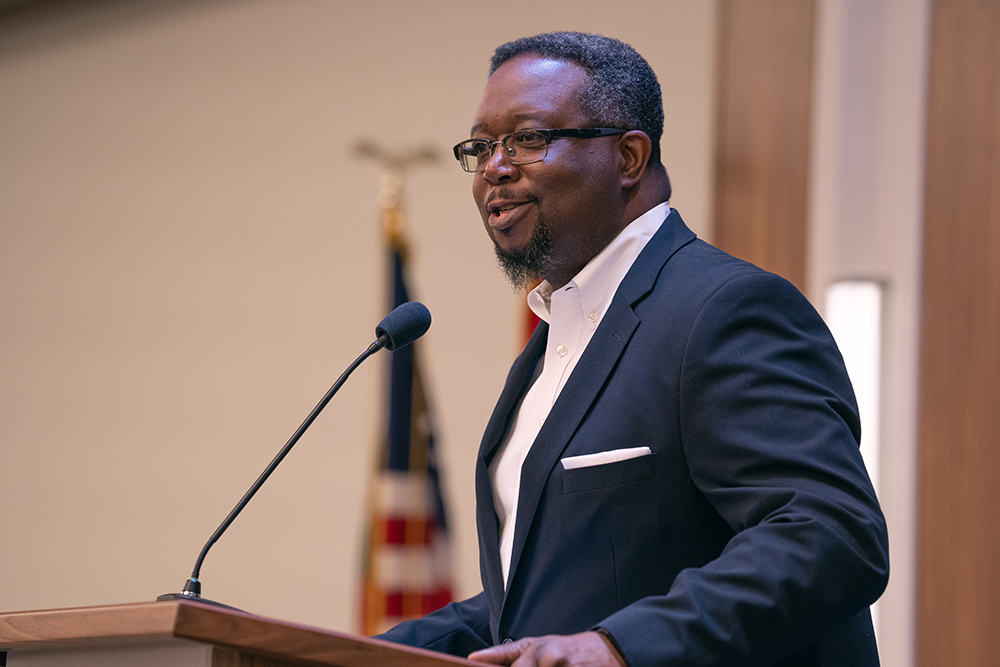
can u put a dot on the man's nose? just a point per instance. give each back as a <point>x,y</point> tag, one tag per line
<point>499,167</point>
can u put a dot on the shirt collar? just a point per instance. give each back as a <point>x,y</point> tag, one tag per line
<point>598,280</point>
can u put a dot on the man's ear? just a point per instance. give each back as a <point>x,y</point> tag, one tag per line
<point>636,148</point>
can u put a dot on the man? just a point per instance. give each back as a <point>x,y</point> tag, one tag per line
<point>671,475</point>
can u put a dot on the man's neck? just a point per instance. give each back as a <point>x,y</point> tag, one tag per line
<point>651,190</point>
<point>551,286</point>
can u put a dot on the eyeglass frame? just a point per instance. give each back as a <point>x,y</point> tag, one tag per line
<point>549,135</point>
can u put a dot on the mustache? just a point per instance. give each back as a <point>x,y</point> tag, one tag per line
<point>507,194</point>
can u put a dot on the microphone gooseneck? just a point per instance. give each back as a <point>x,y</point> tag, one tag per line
<point>406,323</point>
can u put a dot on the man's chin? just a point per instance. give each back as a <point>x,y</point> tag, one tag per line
<point>516,266</point>
<point>526,264</point>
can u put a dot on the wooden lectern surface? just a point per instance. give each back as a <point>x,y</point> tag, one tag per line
<point>251,640</point>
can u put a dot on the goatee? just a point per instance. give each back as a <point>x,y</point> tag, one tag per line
<point>526,266</point>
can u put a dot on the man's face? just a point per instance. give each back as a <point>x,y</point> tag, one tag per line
<point>549,218</point>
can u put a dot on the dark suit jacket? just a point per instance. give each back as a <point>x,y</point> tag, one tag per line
<point>750,535</point>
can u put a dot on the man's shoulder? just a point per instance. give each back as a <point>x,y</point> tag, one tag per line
<point>678,265</point>
<point>699,276</point>
<point>699,263</point>
<point>676,245</point>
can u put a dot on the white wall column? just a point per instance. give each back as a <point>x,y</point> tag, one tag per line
<point>866,203</point>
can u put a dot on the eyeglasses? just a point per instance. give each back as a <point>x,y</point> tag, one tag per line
<point>521,147</point>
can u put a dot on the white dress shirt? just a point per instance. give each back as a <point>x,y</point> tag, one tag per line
<point>573,313</point>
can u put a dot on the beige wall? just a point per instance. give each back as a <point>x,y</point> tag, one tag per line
<point>189,257</point>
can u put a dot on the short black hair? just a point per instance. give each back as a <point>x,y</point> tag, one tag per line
<point>623,91</point>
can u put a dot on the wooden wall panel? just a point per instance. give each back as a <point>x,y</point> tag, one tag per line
<point>959,483</point>
<point>762,138</point>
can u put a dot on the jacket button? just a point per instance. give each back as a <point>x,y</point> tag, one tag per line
<point>507,641</point>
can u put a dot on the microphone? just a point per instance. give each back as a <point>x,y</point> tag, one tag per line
<point>406,323</point>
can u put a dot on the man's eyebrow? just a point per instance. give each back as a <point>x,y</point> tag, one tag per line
<point>515,118</point>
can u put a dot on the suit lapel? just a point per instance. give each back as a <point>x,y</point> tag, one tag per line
<point>592,372</point>
<point>567,413</point>
<point>517,383</point>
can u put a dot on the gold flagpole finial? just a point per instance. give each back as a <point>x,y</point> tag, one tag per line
<point>395,165</point>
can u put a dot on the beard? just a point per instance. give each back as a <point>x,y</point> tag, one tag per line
<point>525,266</point>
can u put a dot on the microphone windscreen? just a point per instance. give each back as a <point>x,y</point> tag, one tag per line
<point>406,323</point>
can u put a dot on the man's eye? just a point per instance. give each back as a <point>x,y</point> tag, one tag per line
<point>479,147</point>
<point>528,138</point>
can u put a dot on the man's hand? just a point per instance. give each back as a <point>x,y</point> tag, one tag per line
<point>586,649</point>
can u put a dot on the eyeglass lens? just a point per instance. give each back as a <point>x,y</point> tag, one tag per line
<point>521,148</point>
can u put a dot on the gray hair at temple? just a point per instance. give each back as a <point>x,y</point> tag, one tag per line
<point>623,90</point>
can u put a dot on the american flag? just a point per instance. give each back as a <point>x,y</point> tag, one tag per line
<point>407,567</point>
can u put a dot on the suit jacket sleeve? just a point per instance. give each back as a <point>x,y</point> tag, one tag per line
<point>770,433</point>
<point>458,628</point>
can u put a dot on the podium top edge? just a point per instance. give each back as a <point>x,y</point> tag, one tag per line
<point>155,621</point>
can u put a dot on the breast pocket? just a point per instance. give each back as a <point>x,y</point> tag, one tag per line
<point>609,475</point>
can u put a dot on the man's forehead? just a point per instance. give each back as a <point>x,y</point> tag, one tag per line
<point>527,88</point>
<point>538,64</point>
<point>538,68</point>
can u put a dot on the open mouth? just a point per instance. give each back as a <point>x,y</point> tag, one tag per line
<point>502,213</point>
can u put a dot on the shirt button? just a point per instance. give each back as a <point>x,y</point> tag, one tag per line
<point>592,317</point>
<point>561,350</point>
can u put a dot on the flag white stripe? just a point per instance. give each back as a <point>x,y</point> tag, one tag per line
<point>403,495</point>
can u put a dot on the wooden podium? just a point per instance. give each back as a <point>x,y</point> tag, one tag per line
<point>182,633</point>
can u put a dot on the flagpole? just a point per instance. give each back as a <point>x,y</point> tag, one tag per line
<point>407,524</point>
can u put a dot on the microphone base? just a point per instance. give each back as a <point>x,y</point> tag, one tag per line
<point>166,597</point>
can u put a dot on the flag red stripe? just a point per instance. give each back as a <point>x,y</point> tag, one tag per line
<point>408,532</point>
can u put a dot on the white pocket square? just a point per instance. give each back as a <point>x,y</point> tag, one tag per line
<point>603,458</point>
